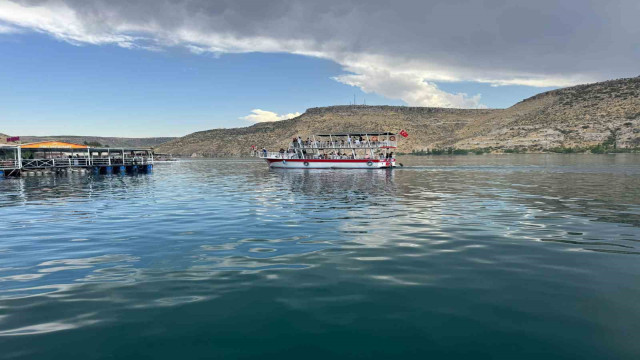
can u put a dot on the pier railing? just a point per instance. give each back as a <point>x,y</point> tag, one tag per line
<point>100,161</point>
<point>51,163</point>
<point>138,160</point>
<point>38,163</point>
<point>75,162</point>
<point>9,164</point>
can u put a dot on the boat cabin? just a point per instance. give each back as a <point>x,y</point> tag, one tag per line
<point>338,150</point>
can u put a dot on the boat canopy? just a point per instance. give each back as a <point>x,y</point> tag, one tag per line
<point>361,134</point>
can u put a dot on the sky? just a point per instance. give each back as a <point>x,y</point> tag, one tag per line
<point>143,68</point>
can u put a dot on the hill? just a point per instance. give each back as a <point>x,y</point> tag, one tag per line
<point>584,115</point>
<point>104,141</point>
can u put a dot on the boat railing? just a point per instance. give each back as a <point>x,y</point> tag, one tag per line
<point>343,144</point>
<point>278,155</point>
<point>286,156</point>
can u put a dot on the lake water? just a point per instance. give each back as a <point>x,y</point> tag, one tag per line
<point>501,257</point>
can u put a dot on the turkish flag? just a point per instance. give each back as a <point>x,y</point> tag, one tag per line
<point>404,133</point>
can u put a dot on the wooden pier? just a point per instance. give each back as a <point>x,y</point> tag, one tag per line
<point>52,157</point>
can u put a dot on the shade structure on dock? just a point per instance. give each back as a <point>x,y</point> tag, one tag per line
<point>53,145</point>
<point>55,156</point>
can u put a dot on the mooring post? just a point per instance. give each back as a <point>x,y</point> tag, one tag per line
<point>149,168</point>
<point>109,170</point>
<point>122,169</point>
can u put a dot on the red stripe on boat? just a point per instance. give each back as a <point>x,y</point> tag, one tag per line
<point>326,160</point>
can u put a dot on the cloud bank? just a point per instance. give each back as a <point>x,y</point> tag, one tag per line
<point>395,49</point>
<point>6,29</point>
<point>258,115</point>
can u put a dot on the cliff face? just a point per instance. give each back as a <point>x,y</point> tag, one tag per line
<point>578,116</point>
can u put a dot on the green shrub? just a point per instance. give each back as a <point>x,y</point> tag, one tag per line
<point>515,151</point>
<point>564,150</point>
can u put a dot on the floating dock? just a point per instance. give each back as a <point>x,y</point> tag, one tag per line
<point>51,157</point>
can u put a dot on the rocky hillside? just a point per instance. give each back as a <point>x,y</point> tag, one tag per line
<point>583,115</point>
<point>105,141</point>
<point>578,116</point>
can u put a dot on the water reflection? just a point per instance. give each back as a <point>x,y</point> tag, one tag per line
<point>82,251</point>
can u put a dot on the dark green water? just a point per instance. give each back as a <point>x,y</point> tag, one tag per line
<point>472,257</point>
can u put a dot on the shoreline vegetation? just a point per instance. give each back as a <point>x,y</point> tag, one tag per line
<point>609,146</point>
<point>558,150</point>
<point>596,149</point>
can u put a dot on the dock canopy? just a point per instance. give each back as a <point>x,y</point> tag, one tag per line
<point>53,145</point>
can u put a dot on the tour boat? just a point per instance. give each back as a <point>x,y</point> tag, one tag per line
<point>337,151</point>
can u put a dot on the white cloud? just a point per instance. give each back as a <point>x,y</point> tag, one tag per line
<point>62,22</point>
<point>258,115</point>
<point>410,87</point>
<point>398,50</point>
<point>6,29</point>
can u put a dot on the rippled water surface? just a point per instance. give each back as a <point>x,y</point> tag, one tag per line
<point>502,257</point>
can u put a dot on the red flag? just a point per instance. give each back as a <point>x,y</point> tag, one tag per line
<point>404,133</point>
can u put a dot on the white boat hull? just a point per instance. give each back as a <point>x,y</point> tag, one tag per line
<point>330,163</point>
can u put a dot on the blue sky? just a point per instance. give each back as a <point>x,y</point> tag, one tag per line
<point>168,68</point>
<point>51,87</point>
